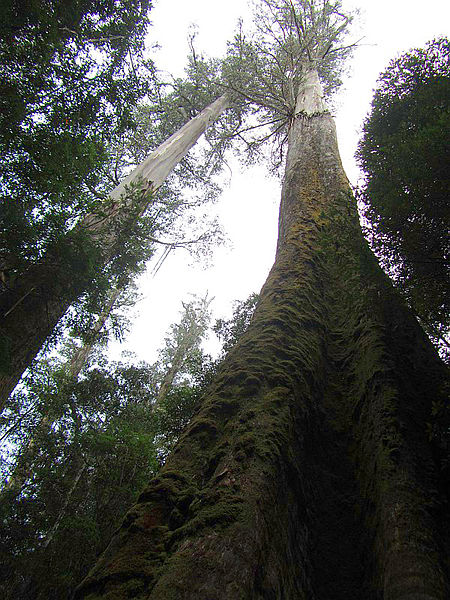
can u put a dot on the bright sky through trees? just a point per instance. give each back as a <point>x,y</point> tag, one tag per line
<point>248,208</point>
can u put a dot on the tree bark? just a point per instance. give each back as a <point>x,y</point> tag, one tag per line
<point>308,472</point>
<point>30,310</point>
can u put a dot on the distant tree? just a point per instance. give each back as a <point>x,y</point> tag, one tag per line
<point>230,330</point>
<point>405,155</point>
<point>183,342</point>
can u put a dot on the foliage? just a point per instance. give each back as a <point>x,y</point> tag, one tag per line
<point>261,75</point>
<point>265,68</point>
<point>81,450</point>
<point>405,155</point>
<point>101,434</point>
<point>69,86</point>
<point>229,331</point>
<point>183,341</point>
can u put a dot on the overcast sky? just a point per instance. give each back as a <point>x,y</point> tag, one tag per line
<point>248,209</point>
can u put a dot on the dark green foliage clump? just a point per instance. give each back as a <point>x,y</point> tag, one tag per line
<point>405,155</point>
<point>82,450</point>
<point>229,331</point>
<point>105,427</point>
<point>92,452</point>
<point>68,90</point>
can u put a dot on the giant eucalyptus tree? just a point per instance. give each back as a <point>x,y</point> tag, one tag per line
<point>308,471</point>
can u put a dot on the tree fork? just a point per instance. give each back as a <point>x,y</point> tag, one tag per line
<point>307,473</point>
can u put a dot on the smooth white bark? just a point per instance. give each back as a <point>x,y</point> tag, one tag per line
<point>155,169</point>
<point>310,96</point>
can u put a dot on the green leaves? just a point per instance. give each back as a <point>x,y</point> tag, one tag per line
<point>67,89</point>
<point>405,155</point>
<point>229,331</point>
<point>265,68</point>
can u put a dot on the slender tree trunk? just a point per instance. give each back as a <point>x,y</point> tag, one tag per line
<point>24,462</point>
<point>51,534</point>
<point>31,309</point>
<point>23,467</point>
<point>185,346</point>
<point>186,337</point>
<point>82,353</point>
<point>307,473</point>
<point>171,373</point>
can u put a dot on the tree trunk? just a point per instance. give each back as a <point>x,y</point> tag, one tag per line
<point>81,354</point>
<point>31,309</point>
<point>188,337</point>
<point>307,473</point>
<point>24,462</point>
<point>51,534</point>
<point>177,363</point>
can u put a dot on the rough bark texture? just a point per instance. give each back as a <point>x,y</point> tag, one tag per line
<point>307,472</point>
<point>30,310</point>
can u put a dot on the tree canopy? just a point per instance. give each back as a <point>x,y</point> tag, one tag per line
<point>63,238</point>
<point>69,86</point>
<point>265,66</point>
<point>405,155</point>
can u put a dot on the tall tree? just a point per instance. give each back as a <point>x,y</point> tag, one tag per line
<point>405,155</point>
<point>71,80</point>
<point>32,307</point>
<point>184,341</point>
<point>308,471</point>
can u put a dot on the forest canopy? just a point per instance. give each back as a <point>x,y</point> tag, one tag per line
<point>405,155</point>
<point>69,87</point>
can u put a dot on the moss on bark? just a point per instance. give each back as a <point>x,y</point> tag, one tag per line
<point>307,473</point>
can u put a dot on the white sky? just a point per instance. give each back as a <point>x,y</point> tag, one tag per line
<point>248,209</point>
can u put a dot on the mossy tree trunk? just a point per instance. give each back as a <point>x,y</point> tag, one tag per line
<point>307,473</point>
<point>32,307</point>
